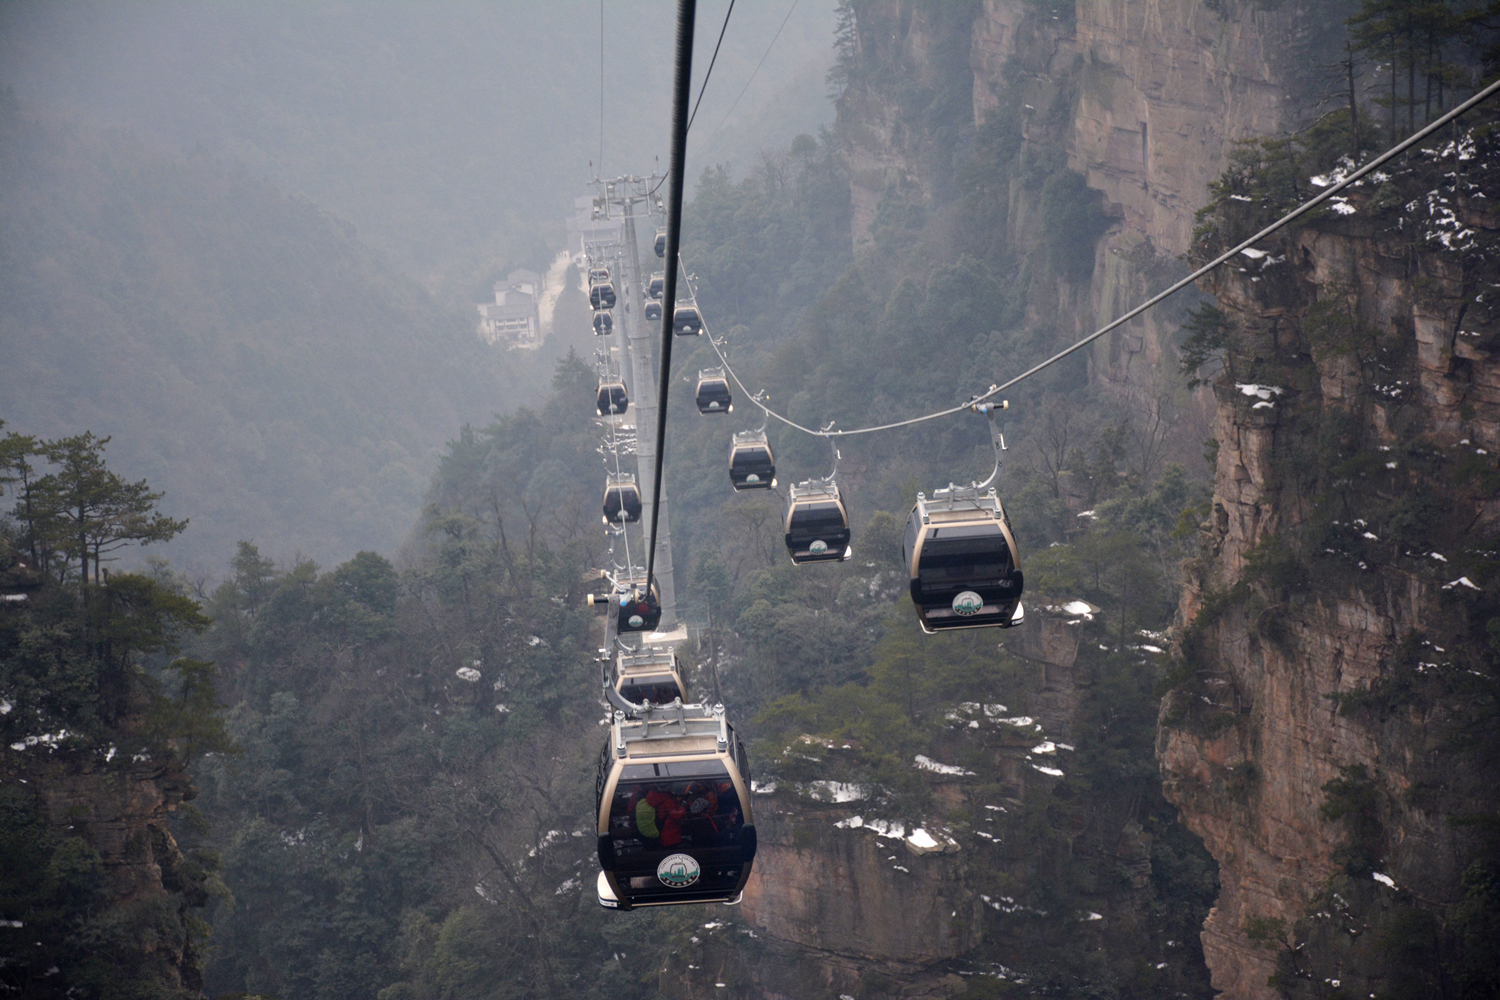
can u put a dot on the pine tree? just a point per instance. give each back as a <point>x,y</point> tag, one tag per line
<point>83,511</point>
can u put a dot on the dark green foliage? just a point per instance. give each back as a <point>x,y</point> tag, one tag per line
<point>1353,798</point>
<point>1072,219</point>
<point>96,697</point>
<point>1206,343</point>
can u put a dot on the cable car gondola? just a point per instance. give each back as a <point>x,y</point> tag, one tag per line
<point>622,499</point>
<point>649,676</point>
<point>661,243</point>
<point>686,322</point>
<point>602,295</point>
<point>713,392</point>
<point>961,554</point>
<point>751,464</point>
<point>657,285</point>
<point>653,312</point>
<point>674,815</point>
<point>613,399</point>
<point>598,275</point>
<point>637,609</point>
<point>604,324</point>
<point>817,523</point>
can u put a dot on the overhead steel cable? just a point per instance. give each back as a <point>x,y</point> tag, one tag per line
<point>710,72</point>
<point>1280,223</point>
<point>713,59</point>
<point>601,89</point>
<point>681,91</point>
<point>753,72</point>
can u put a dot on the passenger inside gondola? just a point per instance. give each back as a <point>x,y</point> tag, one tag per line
<point>681,805</point>
<point>658,817</point>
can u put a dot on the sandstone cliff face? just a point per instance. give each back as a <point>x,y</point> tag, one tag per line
<point>1335,617</point>
<point>849,898</point>
<point>1143,99</point>
<point>146,883</point>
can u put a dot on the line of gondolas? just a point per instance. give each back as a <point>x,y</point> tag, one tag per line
<point>673,785</point>
<point>672,791</point>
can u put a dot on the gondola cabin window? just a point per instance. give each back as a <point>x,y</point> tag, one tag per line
<point>656,689</point>
<point>673,807</point>
<point>962,557</point>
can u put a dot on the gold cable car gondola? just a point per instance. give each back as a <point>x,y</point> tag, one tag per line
<point>602,295</point>
<point>613,398</point>
<point>672,795</point>
<point>649,676</point>
<point>817,523</point>
<point>712,395</point>
<point>622,499</point>
<point>751,464</point>
<point>686,322</point>
<point>961,555</point>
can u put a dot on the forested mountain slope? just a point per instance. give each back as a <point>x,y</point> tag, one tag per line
<point>256,361</point>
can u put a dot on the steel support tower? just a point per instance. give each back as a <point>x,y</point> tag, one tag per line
<point>625,193</point>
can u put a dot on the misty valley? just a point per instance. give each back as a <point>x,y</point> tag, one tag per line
<point>472,527</point>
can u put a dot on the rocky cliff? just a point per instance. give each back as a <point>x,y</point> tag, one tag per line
<point>1142,100</point>
<point>1333,736</point>
<point>110,892</point>
<point>1023,852</point>
<point>1330,725</point>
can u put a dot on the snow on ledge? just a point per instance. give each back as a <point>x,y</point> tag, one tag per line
<point>1259,391</point>
<point>928,764</point>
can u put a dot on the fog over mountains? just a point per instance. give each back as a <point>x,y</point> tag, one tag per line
<point>246,238</point>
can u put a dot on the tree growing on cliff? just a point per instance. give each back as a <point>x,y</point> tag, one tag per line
<point>79,511</point>
<point>92,687</point>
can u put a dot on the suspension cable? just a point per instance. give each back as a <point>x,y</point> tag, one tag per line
<point>713,59</point>
<point>758,65</point>
<point>994,390</point>
<point>681,86</point>
<point>600,171</point>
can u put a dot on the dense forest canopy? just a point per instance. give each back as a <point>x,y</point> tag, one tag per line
<point>374,771</point>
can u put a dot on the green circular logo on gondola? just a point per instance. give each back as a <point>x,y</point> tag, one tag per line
<point>752,478</point>
<point>636,621</point>
<point>714,405</point>
<point>967,603</point>
<point>678,871</point>
<point>818,547</point>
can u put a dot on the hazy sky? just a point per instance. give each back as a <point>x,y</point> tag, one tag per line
<point>453,135</point>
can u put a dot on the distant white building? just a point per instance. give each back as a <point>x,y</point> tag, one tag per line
<point>512,319</point>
